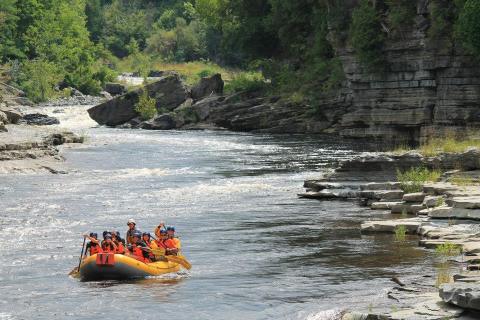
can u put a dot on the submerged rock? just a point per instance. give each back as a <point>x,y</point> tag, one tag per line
<point>39,119</point>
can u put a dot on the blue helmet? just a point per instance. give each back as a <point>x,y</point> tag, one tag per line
<point>93,235</point>
<point>146,234</point>
<point>137,233</point>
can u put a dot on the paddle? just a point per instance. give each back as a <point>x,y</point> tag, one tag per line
<point>76,270</point>
<point>180,260</point>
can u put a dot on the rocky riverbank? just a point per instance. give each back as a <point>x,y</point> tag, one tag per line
<point>443,215</point>
<point>28,141</point>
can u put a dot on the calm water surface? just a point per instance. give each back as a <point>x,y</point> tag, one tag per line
<point>258,252</point>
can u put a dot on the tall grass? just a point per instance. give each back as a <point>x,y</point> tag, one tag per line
<point>400,233</point>
<point>246,81</point>
<point>449,144</point>
<point>192,72</point>
<point>412,180</point>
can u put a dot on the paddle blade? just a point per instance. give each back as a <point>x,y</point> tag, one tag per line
<point>75,273</point>
<point>180,260</point>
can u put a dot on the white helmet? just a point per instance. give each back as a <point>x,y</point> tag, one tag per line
<point>131,221</point>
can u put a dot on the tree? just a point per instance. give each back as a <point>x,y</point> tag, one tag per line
<point>366,35</point>
<point>467,26</point>
<point>38,78</point>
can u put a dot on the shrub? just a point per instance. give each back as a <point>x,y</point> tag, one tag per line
<point>400,233</point>
<point>448,249</point>
<point>245,81</point>
<point>38,79</point>
<point>413,179</point>
<point>366,35</point>
<point>205,73</point>
<point>401,13</point>
<point>146,106</point>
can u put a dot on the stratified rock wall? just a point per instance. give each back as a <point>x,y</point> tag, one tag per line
<point>429,86</point>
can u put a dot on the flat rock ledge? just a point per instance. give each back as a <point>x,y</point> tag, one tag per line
<point>463,295</point>
<point>431,208</point>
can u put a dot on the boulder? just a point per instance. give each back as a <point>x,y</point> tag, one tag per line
<point>433,201</point>
<point>381,194</point>
<point>464,202</point>
<point>202,107</point>
<point>454,213</point>
<point>384,205</point>
<point>3,117</point>
<point>63,137</point>
<point>407,208</point>
<point>414,197</point>
<point>2,127</point>
<point>39,119</point>
<point>169,92</point>
<point>438,188</point>
<point>163,122</point>
<point>381,186</point>
<point>13,116</point>
<point>464,295</point>
<point>208,86</point>
<point>105,95</point>
<point>115,88</point>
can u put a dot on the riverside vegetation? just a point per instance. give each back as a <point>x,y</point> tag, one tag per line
<point>52,44</point>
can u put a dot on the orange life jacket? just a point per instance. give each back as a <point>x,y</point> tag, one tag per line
<point>120,248</point>
<point>106,247</point>
<point>160,243</point>
<point>138,253</point>
<point>170,244</point>
<point>94,248</point>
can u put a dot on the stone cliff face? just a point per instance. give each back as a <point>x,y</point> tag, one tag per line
<point>430,86</point>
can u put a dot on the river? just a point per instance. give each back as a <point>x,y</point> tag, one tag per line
<point>258,252</point>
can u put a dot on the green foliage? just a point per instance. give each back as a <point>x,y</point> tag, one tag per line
<point>448,249</point>
<point>146,106</point>
<point>245,82</point>
<point>400,13</point>
<point>366,35</point>
<point>400,233</point>
<point>412,180</point>
<point>38,78</point>
<point>442,16</point>
<point>183,42</point>
<point>468,27</point>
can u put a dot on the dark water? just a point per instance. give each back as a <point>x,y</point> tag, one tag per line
<point>257,251</point>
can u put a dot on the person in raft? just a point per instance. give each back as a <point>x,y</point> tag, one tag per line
<point>165,243</point>
<point>107,244</point>
<point>138,249</point>
<point>119,242</point>
<point>171,235</point>
<point>93,246</point>
<point>151,244</point>
<point>131,229</point>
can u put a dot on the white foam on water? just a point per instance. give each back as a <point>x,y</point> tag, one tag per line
<point>326,315</point>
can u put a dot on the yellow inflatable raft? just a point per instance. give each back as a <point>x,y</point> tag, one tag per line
<point>121,267</point>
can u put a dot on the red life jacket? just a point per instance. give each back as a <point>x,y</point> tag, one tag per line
<point>94,248</point>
